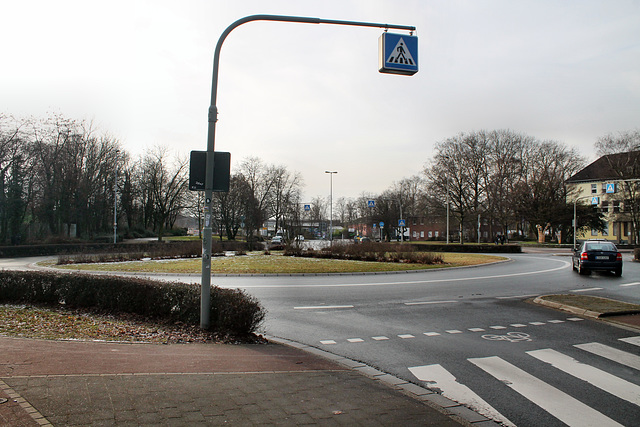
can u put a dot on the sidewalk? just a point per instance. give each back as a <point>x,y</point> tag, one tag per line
<point>66,383</point>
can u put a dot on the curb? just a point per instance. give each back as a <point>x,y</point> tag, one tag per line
<point>435,400</point>
<point>579,311</point>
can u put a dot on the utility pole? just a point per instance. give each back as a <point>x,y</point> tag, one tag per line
<point>205,295</point>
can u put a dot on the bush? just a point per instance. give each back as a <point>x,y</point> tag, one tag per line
<point>233,312</point>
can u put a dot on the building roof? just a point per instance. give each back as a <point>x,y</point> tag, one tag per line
<point>612,166</point>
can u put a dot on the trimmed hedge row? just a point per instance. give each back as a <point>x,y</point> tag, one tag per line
<point>179,247</point>
<point>469,248</point>
<point>233,312</point>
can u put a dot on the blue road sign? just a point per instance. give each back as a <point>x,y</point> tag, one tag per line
<point>307,208</point>
<point>371,203</point>
<point>402,223</point>
<point>398,54</point>
<point>381,224</point>
<point>595,200</point>
<point>375,225</point>
<point>611,188</point>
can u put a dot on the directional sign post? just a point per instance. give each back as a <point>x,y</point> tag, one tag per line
<point>400,64</point>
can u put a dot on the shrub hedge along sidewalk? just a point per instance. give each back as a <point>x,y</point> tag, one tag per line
<point>233,312</point>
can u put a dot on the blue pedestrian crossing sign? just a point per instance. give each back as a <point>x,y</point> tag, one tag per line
<point>401,223</point>
<point>307,208</point>
<point>595,200</point>
<point>611,188</point>
<point>371,203</point>
<point>398,54</point>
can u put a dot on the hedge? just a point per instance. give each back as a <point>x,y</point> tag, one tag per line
<point>233,312</point>
<point>82,248</point>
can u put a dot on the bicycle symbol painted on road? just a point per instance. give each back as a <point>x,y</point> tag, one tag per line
<point>511,337</point>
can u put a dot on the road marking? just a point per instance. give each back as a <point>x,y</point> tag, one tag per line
<point>630,284</point>
<point>537,323</point>
<point>406,336</point>
<point>431,334</point>
<point>497,327</point>
<point>518,325</point>
<point>322,307</point>
<point>622,357</point>
<point>510,336</point>
<point>586,290</point>
<point>559,404</point>
<point>381,338</point>
<point>438,377</point>
<point>518,296</point>
<point>454,331</point>
<point>555,321</point>
<point>631,340</point>
<point>564,265</point>
<point>354,340</point>
<point>594,376</point>
<point>477,329</point>
<point>575,319</point>
<point>328,342</point>
<point>430,302</point>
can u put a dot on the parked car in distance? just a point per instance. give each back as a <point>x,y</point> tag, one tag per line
<point>597,255</point>
<point>276,240</point>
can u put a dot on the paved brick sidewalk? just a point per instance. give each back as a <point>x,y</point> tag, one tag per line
<point>83,383</point>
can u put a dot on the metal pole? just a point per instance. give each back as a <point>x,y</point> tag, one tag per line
<point>115,203</point>
<point>205,293</point>
<point>331,206</point>
<point>447,187</point>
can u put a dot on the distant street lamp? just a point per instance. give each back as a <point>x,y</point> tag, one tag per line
<point>115,202</point>
<point>331,206</point>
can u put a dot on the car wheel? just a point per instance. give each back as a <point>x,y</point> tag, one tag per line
<point>618,272</point>
<point>582,271</point>
<point>573,265</point>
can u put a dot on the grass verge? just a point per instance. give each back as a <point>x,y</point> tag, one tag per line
<point>258,263</point>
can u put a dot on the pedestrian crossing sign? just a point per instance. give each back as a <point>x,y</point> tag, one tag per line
<point>398,54</point>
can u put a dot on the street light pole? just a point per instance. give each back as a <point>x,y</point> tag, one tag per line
<point>115,202</point>
<point>205,289</point>
<point>331,206</point>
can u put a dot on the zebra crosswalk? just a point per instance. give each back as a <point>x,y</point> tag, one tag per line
<point>550,398</point>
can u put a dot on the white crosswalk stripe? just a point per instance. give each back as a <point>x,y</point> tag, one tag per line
<point>556,402</point>
<point>619,356</point>
<point>440,378</point>
<point>603,380</point>
<point>559,404</point>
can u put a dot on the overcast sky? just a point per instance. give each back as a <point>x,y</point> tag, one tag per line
<point>310,96</point>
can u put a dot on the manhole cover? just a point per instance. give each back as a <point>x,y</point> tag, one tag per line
<point>3,400</point>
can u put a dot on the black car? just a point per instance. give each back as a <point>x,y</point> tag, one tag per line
<point>597,255</point>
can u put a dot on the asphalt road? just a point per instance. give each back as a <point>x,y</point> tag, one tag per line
<point>470,333</point>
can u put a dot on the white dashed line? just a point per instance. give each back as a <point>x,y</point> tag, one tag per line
<point>328,342</point>
<point>322,307</point>
<point>354,340</point>
<point>382,338</point>
<point>556,321</point>
<point>537,323</point>
<point>454,331</point>
<point>575,319</point>
<point>630,284</point>
<point>586,290</point>
<point>406,336</point>
<point>498,327</point>
<point>518,325</point>
<point>477,329</point>
<point>430,302</point>
<point>431,334</point>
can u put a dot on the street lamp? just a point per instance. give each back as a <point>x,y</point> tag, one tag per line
<point>331,206</point>
<point>115,202</point>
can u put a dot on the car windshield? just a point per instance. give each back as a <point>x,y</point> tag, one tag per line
<point>606,247</point>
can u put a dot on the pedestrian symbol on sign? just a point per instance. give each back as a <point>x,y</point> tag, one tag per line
<point>400,55</point>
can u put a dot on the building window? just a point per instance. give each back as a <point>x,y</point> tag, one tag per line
<point>594,188</point>
<point>616,206</point>
<point>437,233</point>
<point>422,234</point>
<point>430,234</point>
<point>604,207</point>
<point>421,221</point>
<point>415,222</point>
<point>605,232</point>
<point>415,234</point>
<point>594,232</point>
